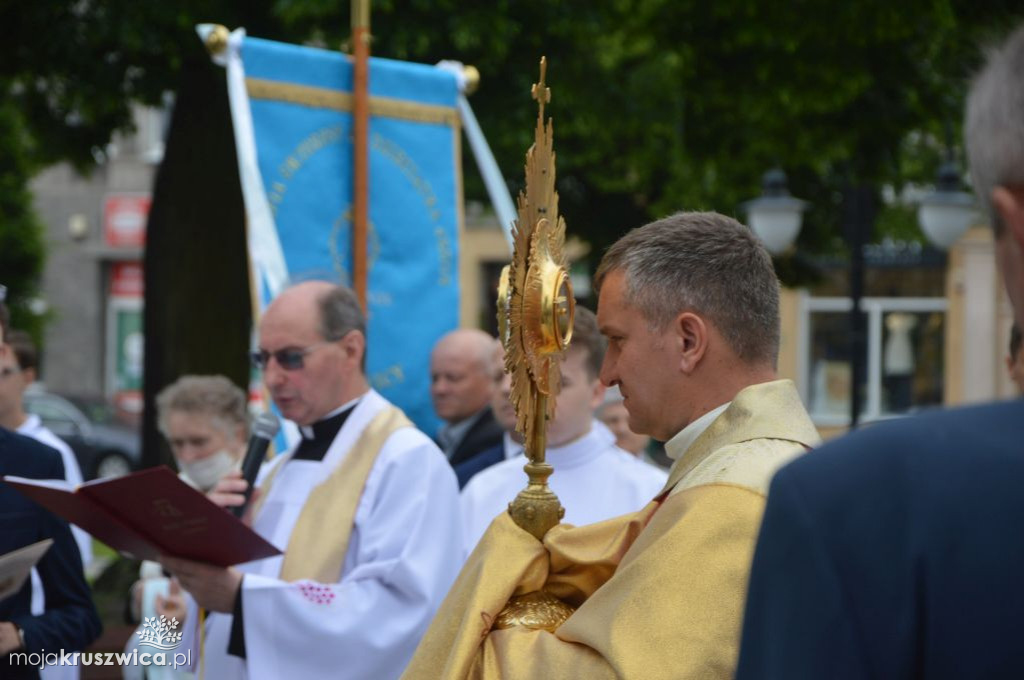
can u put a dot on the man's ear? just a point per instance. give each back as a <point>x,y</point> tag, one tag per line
<point>1009,203</point>
<point>691,337</point>
<point>354,345</point>
<point>29,374</point>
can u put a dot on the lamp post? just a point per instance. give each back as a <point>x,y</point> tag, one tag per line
<point>858,218</point>
<point>776,217</point>
<point>946,212</point>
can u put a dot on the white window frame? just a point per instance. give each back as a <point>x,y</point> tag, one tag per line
<point>875,308</point>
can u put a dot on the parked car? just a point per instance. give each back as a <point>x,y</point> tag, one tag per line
<point>104,447</point>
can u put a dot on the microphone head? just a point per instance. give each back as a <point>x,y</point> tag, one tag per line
<point>266,426</point>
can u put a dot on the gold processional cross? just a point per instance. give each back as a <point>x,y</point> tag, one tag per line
<point>535,318</point>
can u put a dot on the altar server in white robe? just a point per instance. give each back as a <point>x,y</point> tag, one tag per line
<point>364,508</point>
<point>594,479</point>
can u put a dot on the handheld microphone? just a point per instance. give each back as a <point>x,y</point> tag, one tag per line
<point>263,431</point>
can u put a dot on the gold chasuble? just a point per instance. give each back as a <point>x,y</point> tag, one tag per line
<point>310,554</point>
<point>658,594</point>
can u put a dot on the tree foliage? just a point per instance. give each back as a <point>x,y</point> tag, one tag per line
<point>662,105</point>
<point>21,241</point>
<point>69,74</point>
<point>659,105</point>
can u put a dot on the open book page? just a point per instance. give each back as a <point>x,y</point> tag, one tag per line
<point>16,565</point>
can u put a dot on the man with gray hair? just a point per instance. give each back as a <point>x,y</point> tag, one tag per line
<point>365,508</point>
<point>895,552</point>
<point>690,307</point>
<point>461,387</point>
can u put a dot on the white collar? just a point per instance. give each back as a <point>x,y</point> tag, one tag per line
<point>677,446</point>
<point>581,450</point>
<point>30,423</point>
<point>512,448</point>
<point>307,430</point>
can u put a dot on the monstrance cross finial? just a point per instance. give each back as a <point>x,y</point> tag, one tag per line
<point>540,90</point>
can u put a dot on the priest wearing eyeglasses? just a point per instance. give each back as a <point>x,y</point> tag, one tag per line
<point>365,508</point>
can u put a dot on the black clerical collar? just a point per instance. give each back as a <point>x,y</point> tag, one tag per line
<point>323,431</point>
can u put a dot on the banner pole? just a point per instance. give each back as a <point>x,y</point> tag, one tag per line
<point>360,145</point>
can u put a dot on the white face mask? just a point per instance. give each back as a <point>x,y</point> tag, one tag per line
<point>206,472</point>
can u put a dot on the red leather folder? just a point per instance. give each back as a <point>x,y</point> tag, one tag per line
<point>150,513</point>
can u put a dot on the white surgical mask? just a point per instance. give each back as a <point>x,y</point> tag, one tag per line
<point>206,472</point>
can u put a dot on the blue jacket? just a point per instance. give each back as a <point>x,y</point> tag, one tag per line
<point>895,552</point>
<point>465,470</point>
<point>70,621</point>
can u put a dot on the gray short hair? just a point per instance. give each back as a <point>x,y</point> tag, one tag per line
<point>211,395</point>
<point>340,313</point>
<point>705,263</point>
<point>994,122</point>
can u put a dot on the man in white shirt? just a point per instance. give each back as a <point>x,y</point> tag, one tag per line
<point>593,478</point>
<point>364,508</point>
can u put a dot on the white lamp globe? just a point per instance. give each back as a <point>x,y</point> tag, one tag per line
<point>776,216</point>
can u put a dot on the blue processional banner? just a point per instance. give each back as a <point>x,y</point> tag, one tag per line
<point>297,177</point>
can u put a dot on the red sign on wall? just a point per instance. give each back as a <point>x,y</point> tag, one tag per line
<point>126,280</point>
<point>124,219</point>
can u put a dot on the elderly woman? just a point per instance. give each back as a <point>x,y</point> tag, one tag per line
<point>204,420</point>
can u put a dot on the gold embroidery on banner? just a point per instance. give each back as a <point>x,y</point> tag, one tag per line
<point>320,97</point>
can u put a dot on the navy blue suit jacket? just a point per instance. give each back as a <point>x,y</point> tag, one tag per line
<point>70,621</point>
<point>485,432</point>
<point>465,470</point>
<point>895,552</point>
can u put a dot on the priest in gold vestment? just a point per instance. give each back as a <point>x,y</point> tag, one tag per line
<point>689,305</point>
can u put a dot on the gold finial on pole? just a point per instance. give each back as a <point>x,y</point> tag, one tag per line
<point>535,315</point>
<point>472,75</point>
<point>217,40</point>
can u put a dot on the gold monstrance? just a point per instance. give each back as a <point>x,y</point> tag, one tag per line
<point>535,317</point>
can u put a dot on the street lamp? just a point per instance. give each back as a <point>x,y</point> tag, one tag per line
<point>775,216</point>
<point>947,212</point>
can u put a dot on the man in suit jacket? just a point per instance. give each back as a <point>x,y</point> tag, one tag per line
<point>511,443</point>
<point>70,621</point>
<point>462,382</point>
<point>896,552</point>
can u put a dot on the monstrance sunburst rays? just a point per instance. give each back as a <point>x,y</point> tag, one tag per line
<point>530,356</point>
<point>535,316</point>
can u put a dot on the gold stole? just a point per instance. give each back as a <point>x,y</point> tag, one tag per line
<point>310,554</point>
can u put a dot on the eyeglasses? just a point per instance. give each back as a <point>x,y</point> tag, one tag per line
<point>288,359</point>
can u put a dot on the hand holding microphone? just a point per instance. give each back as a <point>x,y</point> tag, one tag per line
<point>263,431</point>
